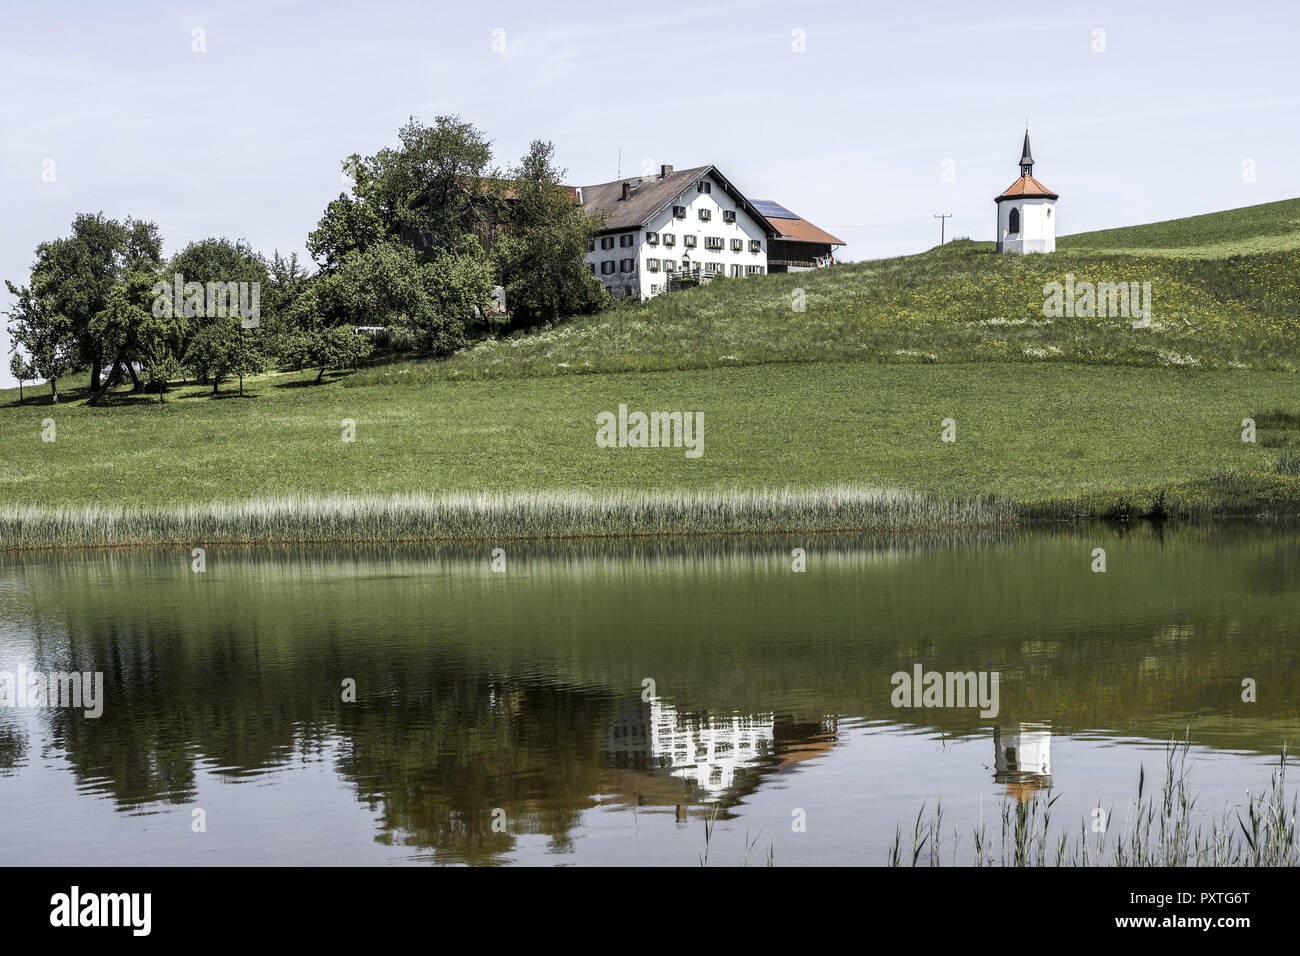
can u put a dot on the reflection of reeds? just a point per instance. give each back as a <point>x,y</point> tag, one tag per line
<point>497,517</point>
<point>1157,830</point>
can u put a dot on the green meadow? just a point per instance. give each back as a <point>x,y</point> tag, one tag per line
<point>1077,417</point>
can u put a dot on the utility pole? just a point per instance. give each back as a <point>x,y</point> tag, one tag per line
<point>943,221</point>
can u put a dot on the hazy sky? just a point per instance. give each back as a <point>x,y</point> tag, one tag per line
<point>866,118</point>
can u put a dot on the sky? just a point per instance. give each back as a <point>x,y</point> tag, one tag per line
<point>867,118</point>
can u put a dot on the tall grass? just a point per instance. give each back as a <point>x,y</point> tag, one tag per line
<point>1155,829</point>
<point>496,516</point>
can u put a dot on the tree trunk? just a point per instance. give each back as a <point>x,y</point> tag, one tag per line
<point>135,381</point>
<point>54,390</point>
<point>215,382</point>
<point>321,375</point>
<point>94,375</point>
<point>98,396</point>
<point>241,384</point>
<point>20,393</point>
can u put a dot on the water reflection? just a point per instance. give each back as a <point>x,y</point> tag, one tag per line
<point>1023,759</point>
<point>481,691</point>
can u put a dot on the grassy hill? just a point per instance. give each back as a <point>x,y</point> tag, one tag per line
<point>1270,227</point>
<point>1056,417</point>
<point>955,303</point>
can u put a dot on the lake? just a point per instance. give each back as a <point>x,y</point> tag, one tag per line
<point>604,702</point>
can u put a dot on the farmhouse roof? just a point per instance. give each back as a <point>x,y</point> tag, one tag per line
<point>645,195</point>
<point>793,227</point>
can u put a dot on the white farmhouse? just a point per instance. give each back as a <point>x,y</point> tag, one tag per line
<point>690,222</point>
<point>1026,212</point>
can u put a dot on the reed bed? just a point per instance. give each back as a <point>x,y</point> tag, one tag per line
<point>1154,829</point>
<point>495,517</point>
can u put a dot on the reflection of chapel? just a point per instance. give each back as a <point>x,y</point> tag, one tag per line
<point>1023,759</point>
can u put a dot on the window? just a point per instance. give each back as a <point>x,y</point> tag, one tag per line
<point>735,272</point>
<point>607,267</point>
<point>607,242</point>
<point>652,265</point>
<point>704,186</point>
<point>627,265</point>
<point>737,245</point>
<point>688,242</point>
<point>755,245</point>
<point>654,290</point>
<point>652,238</point>
<point>592,267</point>
<point>591,245</point>
<point>679,212</point>
<point>711,268</point>
<point>669,265</point>
<point>627,241</point>
<point>1013,221</point>
<point>728,215</point>
<point>670,239</point>
<point>706,215</point>
<point>754,270</point>
<point>713,242</point>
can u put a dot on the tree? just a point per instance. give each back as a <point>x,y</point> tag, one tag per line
<point>21,371</point>
<point>215,342</point>
<point>47,336</point>
<point>117,326</point>
<point>73,277</point>
<point>222,348</point>
<point>159,352</point>
<point>388,285</point>
<point>427,193</point>
<point>314,345</point>
<point>540,255</point>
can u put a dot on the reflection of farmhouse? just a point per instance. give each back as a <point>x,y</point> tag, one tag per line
<point>693,224</point>
<point>1023,759</point>
<point>703,750</point>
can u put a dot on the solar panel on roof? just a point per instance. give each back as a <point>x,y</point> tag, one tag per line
<point>773,210</point>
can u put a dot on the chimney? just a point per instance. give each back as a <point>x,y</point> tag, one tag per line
<point>627,190</point>
<point>664,171</point>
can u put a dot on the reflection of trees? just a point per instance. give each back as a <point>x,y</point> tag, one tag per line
<point>429,745</point>
<point>479,691</point>
<point>13,747</point>
<point>449,748</point>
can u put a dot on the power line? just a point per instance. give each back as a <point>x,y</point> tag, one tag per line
<point>943,221</point>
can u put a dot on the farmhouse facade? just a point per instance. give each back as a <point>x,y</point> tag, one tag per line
<point>691,223</point>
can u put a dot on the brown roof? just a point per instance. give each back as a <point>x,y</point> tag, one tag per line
<point>801,230</point>
<point>1027,185</point>
<point>649,195</point>
<point>508,188</point>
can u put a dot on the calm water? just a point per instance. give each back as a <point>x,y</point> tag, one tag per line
<point>525,692</point>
